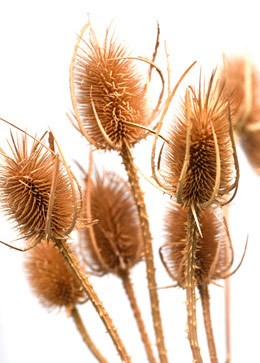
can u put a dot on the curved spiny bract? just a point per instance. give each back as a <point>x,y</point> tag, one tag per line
<point>25,186</point>
<point>213,254</point>
<point>107,92</point>
<point>51,278</point>
<point>198,161</point>
<point>242,82</point>
<point>117,244</point>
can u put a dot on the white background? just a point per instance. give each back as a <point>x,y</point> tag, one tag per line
<point>36,43</point>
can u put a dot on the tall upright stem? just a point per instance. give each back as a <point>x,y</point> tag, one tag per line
<point>127,283</point>
<point>147,239</point>
<point>74,313</point>
<point>190,285</point>
<point>205,301</point>
<point>88,288</point>
<point>227,319</point>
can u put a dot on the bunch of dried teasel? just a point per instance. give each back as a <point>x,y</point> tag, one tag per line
<point>197,166</point>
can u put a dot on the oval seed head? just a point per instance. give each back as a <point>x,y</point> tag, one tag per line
<point>108,89</point>
<point>116,243</point>
<point>25,186</point>
<point>197,162</point>
<point>213,255</point>
<point>242,81</point>
<point>51,278</point>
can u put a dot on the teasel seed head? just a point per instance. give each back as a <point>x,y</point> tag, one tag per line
<point>198,161</point>
<point>27,177</point>
<point>51,278</point>
<point>242,80</point>
<point>113,244</point>
<point>214,255</point>
<point>107,93</point>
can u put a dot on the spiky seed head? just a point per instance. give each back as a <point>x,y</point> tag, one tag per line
<point>117,243</point>
<point>25,189</point>
<point>213,255</point>
<point>242,86</point>
<point>250,141</point>
<point>209,162</point>
<point>242,81</point>
<point>51,278</point>
<point>103,77</point>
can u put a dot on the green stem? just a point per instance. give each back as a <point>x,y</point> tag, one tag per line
<point>147,239</point>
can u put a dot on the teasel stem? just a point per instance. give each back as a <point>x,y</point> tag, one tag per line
<point>75,315</point>
<point>190,284</point>
<point>147,240</point>
<point>205,302</point>
<point>88,288</point>
<point>227,319</point>
<point>128,286</point>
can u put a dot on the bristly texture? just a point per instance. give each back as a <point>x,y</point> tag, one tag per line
<point>25,189</point>
<point>198,160</point>
<point>242,81</point>
<point>213,256</point>
<point>108,87</point>
<point>51,278</point>
<point>116,244</point>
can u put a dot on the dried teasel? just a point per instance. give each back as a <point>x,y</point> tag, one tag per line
<point>242,84</point>
<point>51,278</point>
<point>198,162</point>
<point>41,195</point>
<point>195,260</point>
<point>37,192</point>
<point>111,108</point>
<point>114,243</point>
<point>109,93</point>
<point>55,285</point>
<point>214,255</point>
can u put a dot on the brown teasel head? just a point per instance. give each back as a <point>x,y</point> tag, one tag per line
<point>25,187</point>
<point>242,80</point>
<point>107,92</point>
<point>214,254</point>
<point>114,243</point>
<point>242,86</point>
<point>51,278</point>
<point>197,162</point>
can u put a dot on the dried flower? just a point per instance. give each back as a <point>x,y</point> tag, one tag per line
<point>214,254</point>
<point>25,186</point>
<point>242,83</point>
<point>51,278</point>
<point>115,244</point>
<point>198,162</point>
<point>108,92</point>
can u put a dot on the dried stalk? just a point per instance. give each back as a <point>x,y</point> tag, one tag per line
<point>227,319</point>
<point>88,288</point>
<point>147,239</point>
<point>127,283</point>
<point>74,313</point>
<point>205,301</point>
<point>190,285</point>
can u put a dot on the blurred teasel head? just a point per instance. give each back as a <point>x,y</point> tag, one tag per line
<point>214,254</point>
<point>36,190</point>
<point>108,92</point>
<point>198,163</point>
<point>242,83</point>
<point>51,278</point>
<point>114,243</point>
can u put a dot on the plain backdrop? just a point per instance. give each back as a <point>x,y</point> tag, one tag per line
<point>36,44</point>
